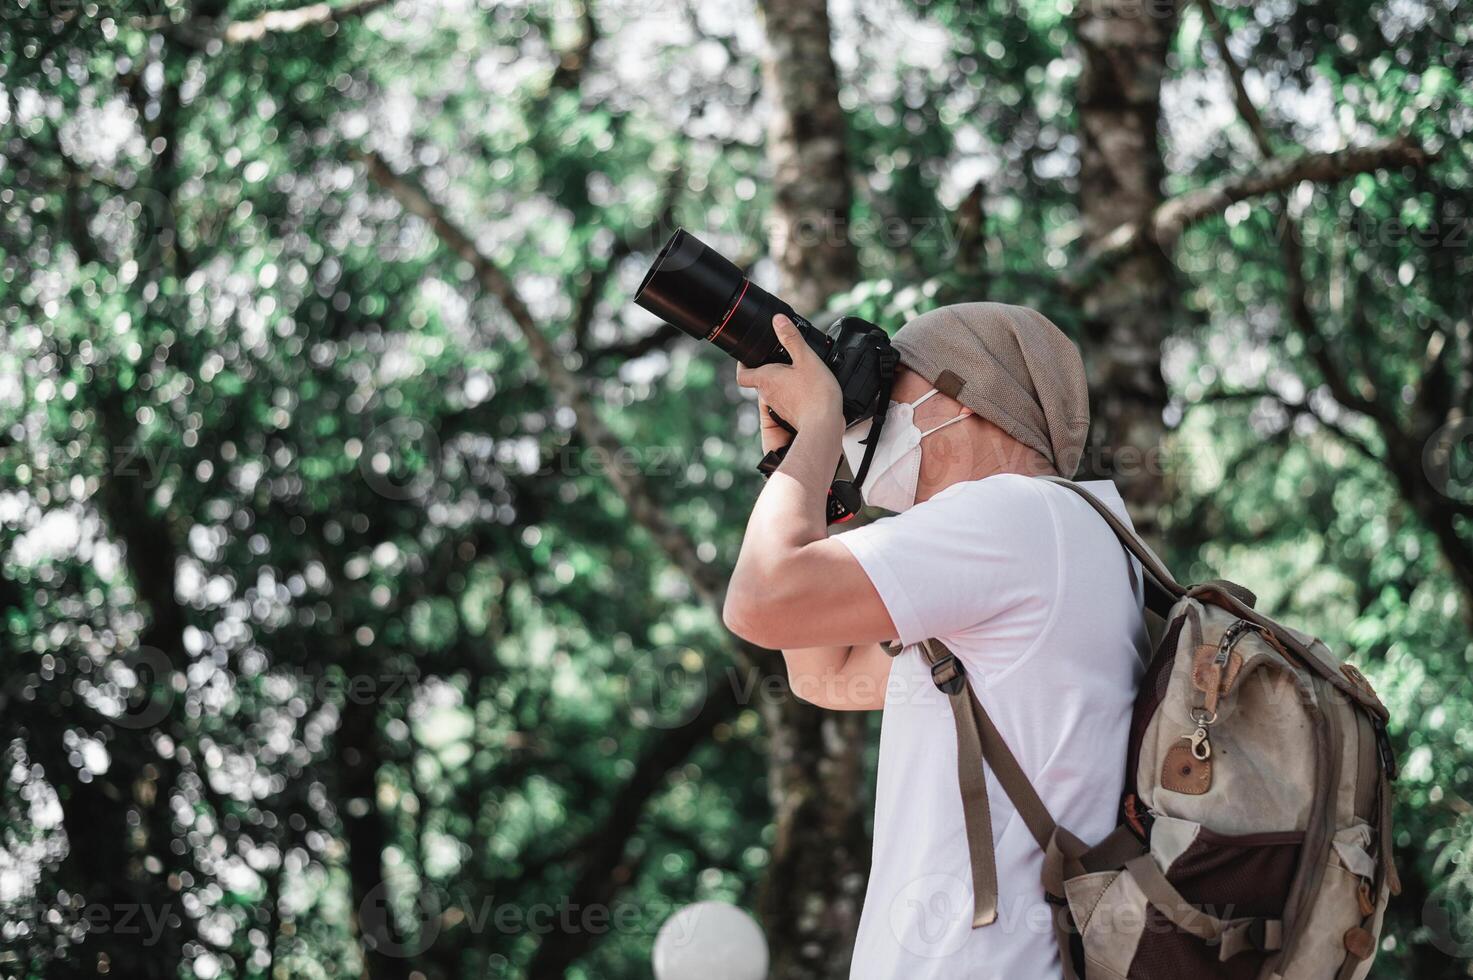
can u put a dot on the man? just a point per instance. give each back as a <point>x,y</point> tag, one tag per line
<point>1019,577</point>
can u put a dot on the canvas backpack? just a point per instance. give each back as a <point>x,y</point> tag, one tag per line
<point>1254,835</point>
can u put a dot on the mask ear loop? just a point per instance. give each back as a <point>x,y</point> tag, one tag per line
<point>938,428</point>
<point>923,399</point>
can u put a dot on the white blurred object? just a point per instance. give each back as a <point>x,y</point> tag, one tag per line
<point>710,941</point>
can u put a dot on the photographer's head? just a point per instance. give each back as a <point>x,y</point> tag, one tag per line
<point>984,388</point>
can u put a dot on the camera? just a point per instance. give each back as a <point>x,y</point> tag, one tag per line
<point>698,290</point>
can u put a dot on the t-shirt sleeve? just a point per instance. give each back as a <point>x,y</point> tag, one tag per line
<point>962,560</point>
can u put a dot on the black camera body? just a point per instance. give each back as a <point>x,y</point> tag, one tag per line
<point>697,290</point>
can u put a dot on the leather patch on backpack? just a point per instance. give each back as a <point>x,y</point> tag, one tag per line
<point>1359,943</point>
<point>1184,773</point>
<point>1210,680</point>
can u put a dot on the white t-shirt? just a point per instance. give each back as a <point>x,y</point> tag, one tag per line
<point>1029,587</point>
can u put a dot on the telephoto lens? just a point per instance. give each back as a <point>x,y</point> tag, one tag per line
<point>698,290</point>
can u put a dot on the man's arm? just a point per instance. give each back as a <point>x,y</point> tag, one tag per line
<point>793,588</point>
<point>841,678</point>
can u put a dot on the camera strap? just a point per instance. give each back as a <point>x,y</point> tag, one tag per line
<point>846,494</point>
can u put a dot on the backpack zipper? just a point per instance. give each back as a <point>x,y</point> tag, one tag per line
<point>1230,636</point>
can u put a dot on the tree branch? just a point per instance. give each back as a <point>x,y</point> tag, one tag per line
<point>200,32</point>
<point>290,21</point>
<point>626,350</point>
<point>1275,175</point>
<point>1297,409</point>
<point>1246,109</point>
<point>1204,520</point>
<point>1280,174</point>
<point>566,387</point>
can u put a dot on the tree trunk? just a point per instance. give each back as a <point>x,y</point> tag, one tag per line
<point>806,145</point>
<point>388,952</point>
<point>810,900</point>
<point>1123,47</point>
<point>809,903</point>
<point>116,822</point>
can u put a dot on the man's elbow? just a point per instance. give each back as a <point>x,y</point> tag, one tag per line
<point>760,614</point>
<point>748,618</point>
<point>734,613</point>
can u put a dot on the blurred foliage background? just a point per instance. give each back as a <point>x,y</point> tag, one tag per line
<point>360,542</point>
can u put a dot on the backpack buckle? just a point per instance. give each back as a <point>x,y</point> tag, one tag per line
<point>948,674</point>
<point>1383,747</point>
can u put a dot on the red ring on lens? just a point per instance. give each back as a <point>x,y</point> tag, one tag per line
<point>727,319</point>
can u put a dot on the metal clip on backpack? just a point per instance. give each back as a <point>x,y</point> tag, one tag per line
<point>1255,826</point>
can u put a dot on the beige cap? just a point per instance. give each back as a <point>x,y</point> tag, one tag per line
<point>1012,366</point>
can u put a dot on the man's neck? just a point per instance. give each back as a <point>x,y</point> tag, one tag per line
<point>993,452</point>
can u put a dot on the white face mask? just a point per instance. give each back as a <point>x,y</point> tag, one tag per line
<point>895,471</point>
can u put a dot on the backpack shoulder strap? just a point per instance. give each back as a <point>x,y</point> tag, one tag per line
<point>978,739</point>
<point>1162,588</point>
